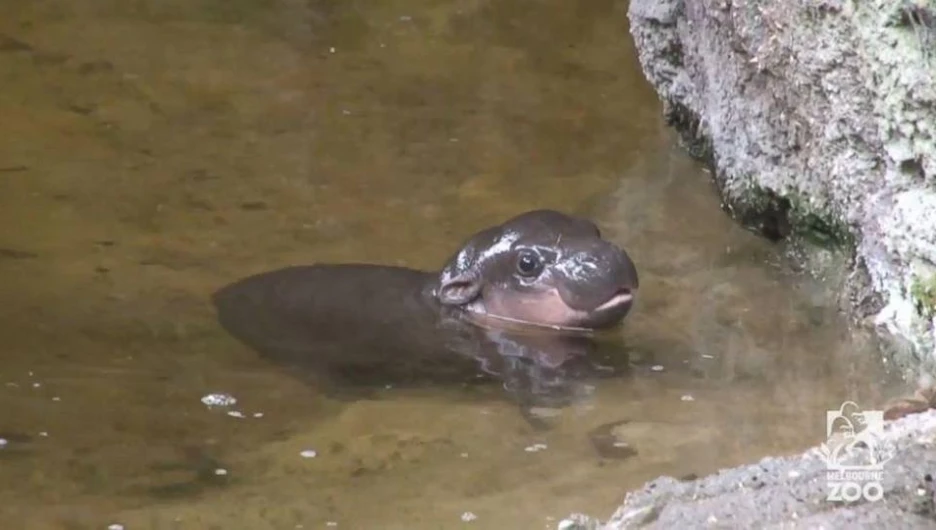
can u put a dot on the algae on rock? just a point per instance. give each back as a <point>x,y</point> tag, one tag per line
<point>924,293</point>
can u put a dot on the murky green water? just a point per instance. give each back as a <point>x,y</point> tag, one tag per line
<point>154,150</point>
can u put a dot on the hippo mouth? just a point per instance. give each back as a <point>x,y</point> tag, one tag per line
<point>548,309</point>
<point>623,296</point>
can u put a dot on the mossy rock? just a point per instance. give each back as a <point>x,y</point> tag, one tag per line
<point>775,216</point>
<point>923,292</point>
<point>779,216</point>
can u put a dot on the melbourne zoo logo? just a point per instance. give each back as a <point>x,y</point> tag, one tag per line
<point>854,454</point>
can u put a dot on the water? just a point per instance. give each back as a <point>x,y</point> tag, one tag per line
<point>154,151</point>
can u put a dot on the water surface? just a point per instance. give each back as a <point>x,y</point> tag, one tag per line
<point>155,150</point>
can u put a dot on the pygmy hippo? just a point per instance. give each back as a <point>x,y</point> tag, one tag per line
<point>540,272</point>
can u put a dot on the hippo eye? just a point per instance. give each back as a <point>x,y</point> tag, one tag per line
<point>529,264</point>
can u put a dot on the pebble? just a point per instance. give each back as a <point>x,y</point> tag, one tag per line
<point>3,442</point>
<point>221,472</point>
<point>332,49</point>
<point>258,415</point>
<point>115,526</point>
<point>687,397</point>
<point>535,447</point>
<point>235,413</point>
<point>219,400</point>
<point>331,523</point>
<point>43,434</point>
<point>308,453</point>
<point>657,368</point>
<point>577,521</point>
<point>468,517</point>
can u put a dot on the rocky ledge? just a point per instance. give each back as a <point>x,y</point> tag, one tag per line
<point>818,118</point>
<point>792,492</point>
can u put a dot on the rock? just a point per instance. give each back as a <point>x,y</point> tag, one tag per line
<point>792,492</point>
<point>819,119</point>
<point>578,521</point>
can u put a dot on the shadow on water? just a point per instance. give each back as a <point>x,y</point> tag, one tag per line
<point>156,150</point>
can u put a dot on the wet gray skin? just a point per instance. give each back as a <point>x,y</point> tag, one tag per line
<point>516,303</point>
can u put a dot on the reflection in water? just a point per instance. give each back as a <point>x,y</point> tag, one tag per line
<point>154,150</point>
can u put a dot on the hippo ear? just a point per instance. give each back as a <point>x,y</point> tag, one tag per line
<point>460,289</point>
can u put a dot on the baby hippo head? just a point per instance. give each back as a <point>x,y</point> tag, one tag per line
<point>541,268</point>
